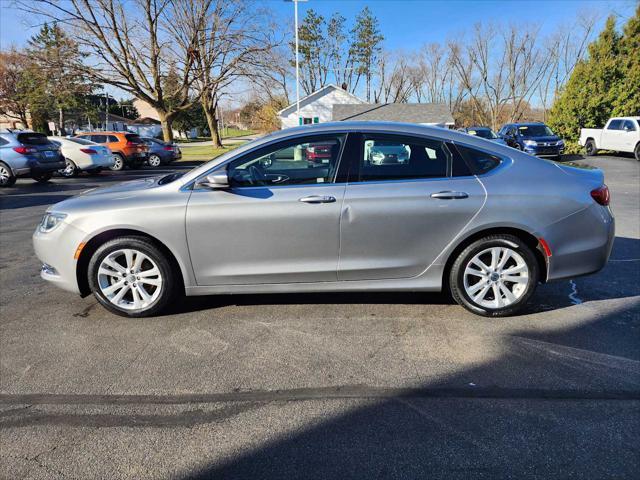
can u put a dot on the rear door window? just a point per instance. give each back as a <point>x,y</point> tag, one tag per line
<point>390,157</point>
<point>113,139</point>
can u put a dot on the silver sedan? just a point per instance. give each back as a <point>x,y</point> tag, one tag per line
<point>461,213</point>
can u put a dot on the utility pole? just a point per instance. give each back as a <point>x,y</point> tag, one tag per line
<point>295,16</point>
<point>106,110</point>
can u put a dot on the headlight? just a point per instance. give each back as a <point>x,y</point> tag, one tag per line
<point>560,143</point>
<point>51,221</point>
<point>531,143</point>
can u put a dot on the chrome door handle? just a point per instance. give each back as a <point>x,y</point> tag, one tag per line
<point>317,199</point>
<point>449,195</point>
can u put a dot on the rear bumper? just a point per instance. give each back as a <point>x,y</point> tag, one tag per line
<point>580,244</point>
<point>40,167</point>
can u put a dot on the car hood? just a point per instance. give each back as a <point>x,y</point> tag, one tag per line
<point>106,197</point>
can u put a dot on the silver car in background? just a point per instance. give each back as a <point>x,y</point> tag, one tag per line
<point>461,213</point>
<point>82,155</point>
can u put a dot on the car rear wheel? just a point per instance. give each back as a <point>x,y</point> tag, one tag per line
<point>637,152</point>
<point>131,277</point>
<point>590,148</point>
<point>70,170</point>
<point>42,177</point>
<point>155,161</point>
<point>118,162</point>
<point>7,178</point>
<point>494,276</point>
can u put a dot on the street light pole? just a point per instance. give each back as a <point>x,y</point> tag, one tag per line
<point>295,14</point>
<point>295,8</point>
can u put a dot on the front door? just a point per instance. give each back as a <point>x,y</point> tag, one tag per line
<point>402,207</point>
<point>277,223</point>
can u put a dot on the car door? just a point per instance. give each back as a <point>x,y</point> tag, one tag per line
<point>628,136</point>
<point>277,223</point>
<point>397,217</point>
<point>612,135</point>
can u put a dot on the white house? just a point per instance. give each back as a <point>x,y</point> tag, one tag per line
<point>317,107</point>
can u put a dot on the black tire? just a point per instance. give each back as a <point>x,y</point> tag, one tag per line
<point>118,162</point>
<point>168,287</point>
<point>590,148</point>
<point>7,178</point>
<point>70,171</point>
<point>456,276</point>
<point>637,152</point>
<point>42,177</point>
<point>154,161</point>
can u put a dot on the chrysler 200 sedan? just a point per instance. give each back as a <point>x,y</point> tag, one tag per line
<point>485,221</point>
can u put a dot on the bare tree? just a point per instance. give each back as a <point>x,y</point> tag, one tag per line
<point>232,40</point>
<point>129,47</point>
<point>395,75</point>
<point>14,102</point>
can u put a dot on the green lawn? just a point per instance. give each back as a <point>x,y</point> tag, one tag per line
<point>226,133</point>
<point>203,152</point>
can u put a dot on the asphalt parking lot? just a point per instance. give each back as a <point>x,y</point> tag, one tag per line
<point>322,385</point>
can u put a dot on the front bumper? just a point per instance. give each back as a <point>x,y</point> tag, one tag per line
<point>544,151</point>
<point>56,250</point>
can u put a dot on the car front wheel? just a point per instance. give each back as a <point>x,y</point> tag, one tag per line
<point>42,177</point>
<point>131,277</point>
<point>494,276</point>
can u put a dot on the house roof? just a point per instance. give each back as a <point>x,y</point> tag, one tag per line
<point>315,96</point>
<point>435,113</point>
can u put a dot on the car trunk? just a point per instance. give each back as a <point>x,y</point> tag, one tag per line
<point>45,150</point>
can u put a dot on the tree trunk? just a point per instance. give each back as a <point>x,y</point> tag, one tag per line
<point>209,107</point>
<point>166,120</point>
<point>61,128</point>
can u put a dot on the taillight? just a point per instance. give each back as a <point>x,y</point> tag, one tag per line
<point>90,151</point>
<point>601,195</point>
<point>22,150</point>
<point>168,148</point>
<point>131,144</point>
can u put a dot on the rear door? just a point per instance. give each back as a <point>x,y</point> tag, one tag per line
<point>397,217</point>
<point>277,223</point>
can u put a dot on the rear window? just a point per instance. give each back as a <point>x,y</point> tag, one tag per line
<point>133,138</point>
<point>81,141</point>
<point>32,138</point>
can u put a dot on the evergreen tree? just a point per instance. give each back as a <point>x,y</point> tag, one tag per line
<point>58,71</point>
<point>367,45</point>
<point>605,84</point>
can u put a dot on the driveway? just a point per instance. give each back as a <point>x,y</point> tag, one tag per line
<point>320,385</point>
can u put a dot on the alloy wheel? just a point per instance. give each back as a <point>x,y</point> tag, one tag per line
<point>117,162</point>
<point>69,169</point>
<point>129,279</point>
<point>497,277</point>
<point>5,175</point>
<point>154,161</point>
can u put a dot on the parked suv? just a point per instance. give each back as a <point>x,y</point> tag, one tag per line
<point>533,138</point>
<point>27,153</point>
<point>128,148</point>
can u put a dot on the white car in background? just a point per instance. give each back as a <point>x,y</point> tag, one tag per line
<point>82,156</point>
<point>620,134</point>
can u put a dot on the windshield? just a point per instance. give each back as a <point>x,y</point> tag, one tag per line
<point>535,131</point>
<point>483,133</point>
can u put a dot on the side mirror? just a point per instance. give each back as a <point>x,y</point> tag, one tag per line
<point>214,181</point>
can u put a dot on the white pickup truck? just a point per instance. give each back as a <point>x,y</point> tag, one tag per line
<point>620,134</point>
